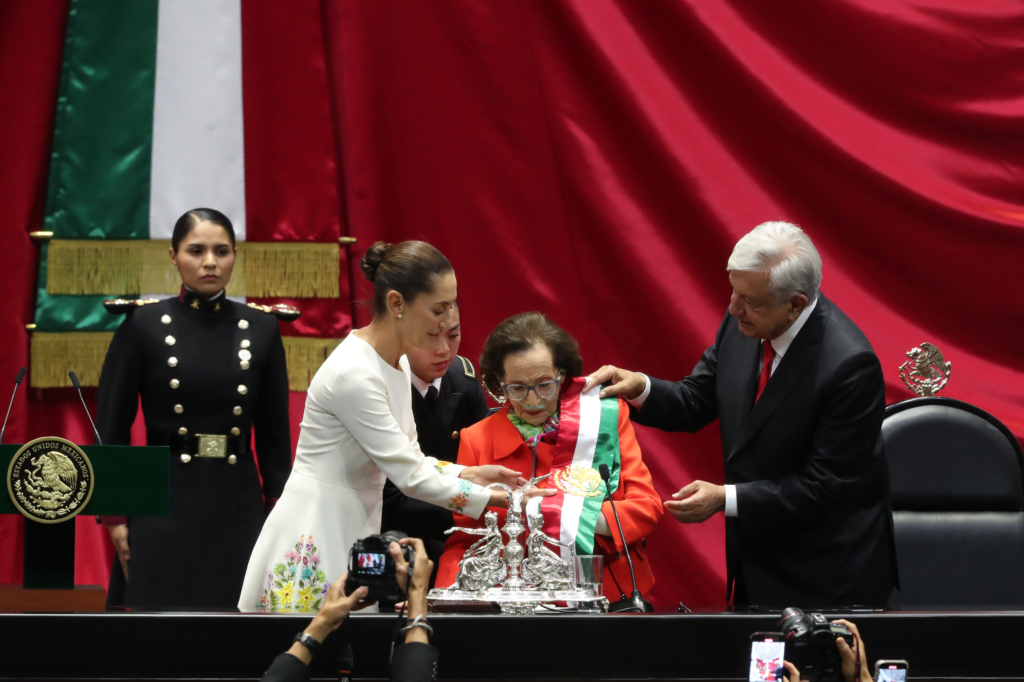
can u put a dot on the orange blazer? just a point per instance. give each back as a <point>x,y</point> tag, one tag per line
<point>495,441</point>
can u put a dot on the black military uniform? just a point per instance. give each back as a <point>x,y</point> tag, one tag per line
<point>207,371</point>
<point>459,403</point>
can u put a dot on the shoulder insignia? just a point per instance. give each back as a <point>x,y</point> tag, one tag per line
<point>283,312</point>
<point>467,367</point>
<point>120,306</point>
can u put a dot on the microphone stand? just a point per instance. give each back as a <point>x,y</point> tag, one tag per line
<point>634,603</point>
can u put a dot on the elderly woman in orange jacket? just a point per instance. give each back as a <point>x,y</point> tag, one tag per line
<point>548,426</point>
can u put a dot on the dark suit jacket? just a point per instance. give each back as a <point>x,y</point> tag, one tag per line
<point>460,403</point>
<point>415,662</point>
<point>814,525</point>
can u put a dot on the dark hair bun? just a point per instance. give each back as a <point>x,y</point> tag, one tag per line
<point>371,260</point>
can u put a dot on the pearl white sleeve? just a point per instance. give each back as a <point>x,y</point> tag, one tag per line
<point>359,399</point>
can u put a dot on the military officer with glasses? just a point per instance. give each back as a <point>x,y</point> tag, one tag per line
<point>446,398</point>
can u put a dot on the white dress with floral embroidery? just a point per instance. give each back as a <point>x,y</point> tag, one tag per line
<point>357,430</point>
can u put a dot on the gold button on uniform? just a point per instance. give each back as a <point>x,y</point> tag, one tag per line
<point>185,458</point>
<point>242,389</point>
<point>243,324</point>
<point>245,343</point>
<point>175,383</point>
<point>244,364</point>
<point>179,409</point>
<point>232,459</point>
<point>166,319</point>
<point>455,435</point>
<point>235,431</point>
<point>182,431</point>
<point>172,361</point>
<point>170,341</point>
<point>237,410</point>
<point>244,355</point>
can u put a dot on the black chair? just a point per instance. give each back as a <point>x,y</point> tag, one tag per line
<point>958,505</point>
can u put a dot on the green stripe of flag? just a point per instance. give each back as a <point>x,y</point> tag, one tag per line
<point>100,164</point>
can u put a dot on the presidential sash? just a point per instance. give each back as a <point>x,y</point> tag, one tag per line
<point>588,436</point>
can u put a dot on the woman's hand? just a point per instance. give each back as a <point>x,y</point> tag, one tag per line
<point>492,473</point>
<point>538,492</point>
<point>119,536</point>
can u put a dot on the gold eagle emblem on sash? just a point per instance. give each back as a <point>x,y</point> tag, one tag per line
<point>578,480</point>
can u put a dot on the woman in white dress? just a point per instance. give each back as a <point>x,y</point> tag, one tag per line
<point>357,431</point>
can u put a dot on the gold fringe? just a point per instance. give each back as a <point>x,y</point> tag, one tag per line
<point>143,266</point>
<point>54,353</point>
<point>304,356</point>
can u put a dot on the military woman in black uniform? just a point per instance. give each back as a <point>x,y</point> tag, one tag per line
<point>446,398</point>
<point>207,369</point>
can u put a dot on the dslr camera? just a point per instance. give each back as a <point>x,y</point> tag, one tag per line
<point>811,645</point>
<point>370,565</point>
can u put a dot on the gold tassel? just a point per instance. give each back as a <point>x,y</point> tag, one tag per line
<point>142,266</point>
<point>53,353</point>
<point>304,356</point>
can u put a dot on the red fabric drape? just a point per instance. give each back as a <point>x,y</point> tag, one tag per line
<point>597,160</point>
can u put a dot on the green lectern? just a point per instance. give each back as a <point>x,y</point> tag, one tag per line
<point>50,481</point>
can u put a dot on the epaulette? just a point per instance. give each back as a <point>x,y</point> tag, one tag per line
<point>467,367</point>
<point>120,306</point>
<point>283,312</point>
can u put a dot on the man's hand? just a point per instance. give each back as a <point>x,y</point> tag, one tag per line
<point>119,536</point>
<point>421,570</point>
<point>337,605</point>
<point>487,474</point>
<point>697,502</point>
<point>849,657</point>
<point>794,674</point>
<point>623,382</point>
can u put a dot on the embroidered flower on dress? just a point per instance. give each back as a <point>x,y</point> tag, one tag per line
<point>461,499</point>
<point>312,582</point>
<point>440,465</point>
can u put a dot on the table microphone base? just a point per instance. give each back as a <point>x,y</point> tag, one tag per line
<point>634,603</point>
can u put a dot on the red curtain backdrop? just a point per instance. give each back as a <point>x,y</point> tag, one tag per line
<point>597,160</point>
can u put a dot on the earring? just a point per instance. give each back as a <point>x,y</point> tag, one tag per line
<point>399,315</point>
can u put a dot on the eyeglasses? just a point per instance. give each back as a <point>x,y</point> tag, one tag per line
<point>544,390</point>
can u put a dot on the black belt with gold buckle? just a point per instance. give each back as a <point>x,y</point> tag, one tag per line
<point>210,446</point>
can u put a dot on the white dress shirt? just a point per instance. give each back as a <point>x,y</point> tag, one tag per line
<point>780,345</point>
<point>422,386</point>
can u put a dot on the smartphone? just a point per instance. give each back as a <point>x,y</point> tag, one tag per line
<point>767,651</point>
<point>890,671</point>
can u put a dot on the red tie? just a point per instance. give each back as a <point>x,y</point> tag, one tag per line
<point>766,369</point>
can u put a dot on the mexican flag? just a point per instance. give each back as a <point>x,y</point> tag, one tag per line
<point>169,105</point>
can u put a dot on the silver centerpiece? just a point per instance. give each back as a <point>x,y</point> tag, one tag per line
<point>518,581</point>
<point>927,371</point>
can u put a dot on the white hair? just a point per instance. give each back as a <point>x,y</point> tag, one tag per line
<point>786,254</point>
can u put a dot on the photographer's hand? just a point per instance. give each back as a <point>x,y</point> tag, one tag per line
<point>336,608</point>
<point>794,674</point>
<point>414,586</point>
<point>850,657</point>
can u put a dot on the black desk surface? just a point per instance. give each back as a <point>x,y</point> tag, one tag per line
<point>938,645</point>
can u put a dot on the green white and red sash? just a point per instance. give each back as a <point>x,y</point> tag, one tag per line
<point>588,437</point>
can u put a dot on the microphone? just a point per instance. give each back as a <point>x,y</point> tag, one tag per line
<point>17,382</point>
<point>635,602</point>
<point>78,387</point>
